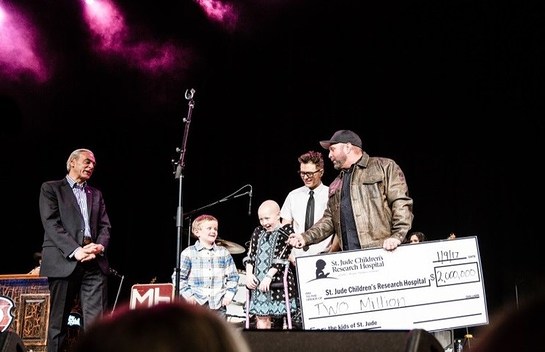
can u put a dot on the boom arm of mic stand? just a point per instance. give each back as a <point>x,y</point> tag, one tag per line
<point>242,194</point>
<point>189,213</point>
<point>224,199</point>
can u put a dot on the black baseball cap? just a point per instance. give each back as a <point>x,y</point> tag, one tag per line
<point>342,136</point>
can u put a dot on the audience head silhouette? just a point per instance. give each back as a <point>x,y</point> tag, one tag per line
<point>166,327</point>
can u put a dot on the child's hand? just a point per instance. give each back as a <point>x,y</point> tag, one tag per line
<point>265,284</point>
<point>226,301</point>
<point>252,282</point>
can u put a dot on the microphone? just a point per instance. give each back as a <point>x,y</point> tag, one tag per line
<point>250,201</point>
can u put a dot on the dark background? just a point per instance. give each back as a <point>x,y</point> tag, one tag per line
<point>453,91</point>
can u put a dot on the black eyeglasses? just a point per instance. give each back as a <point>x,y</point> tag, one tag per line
<point>308,174</point>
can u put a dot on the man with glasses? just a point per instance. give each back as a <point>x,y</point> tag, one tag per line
<point>294,210</point>
<point>369,204</point>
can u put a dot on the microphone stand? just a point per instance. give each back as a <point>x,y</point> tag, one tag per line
<point>233,195</point>
<point>118,292</point>
<point>178,175</point>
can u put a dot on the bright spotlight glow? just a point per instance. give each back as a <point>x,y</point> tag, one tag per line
<point>18,53</point>
<point>113,36</point>
<point>220,12</point>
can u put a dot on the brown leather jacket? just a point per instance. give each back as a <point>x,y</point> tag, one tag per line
<point>380,201</point>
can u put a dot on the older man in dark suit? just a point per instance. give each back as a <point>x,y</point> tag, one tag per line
<point>76,237</point>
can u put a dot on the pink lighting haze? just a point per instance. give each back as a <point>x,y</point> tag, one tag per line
<point>113,36</point>
<point>18,56</point>
<point>107,24</point>
<point>219,12</point>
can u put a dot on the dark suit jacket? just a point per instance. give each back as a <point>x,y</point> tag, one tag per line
<point>64,227</point>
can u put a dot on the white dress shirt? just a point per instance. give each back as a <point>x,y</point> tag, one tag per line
<point>294,209</point>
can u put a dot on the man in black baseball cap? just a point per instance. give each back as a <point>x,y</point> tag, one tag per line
<point>369,204</point>
<point>342,136</point>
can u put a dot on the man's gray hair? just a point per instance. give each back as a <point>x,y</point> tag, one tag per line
<point>74,155</point>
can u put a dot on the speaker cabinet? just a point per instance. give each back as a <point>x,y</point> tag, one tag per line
<point>30,295</point>
<point>415,340</point>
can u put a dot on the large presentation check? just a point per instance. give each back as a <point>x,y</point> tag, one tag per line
<point>433,285</point>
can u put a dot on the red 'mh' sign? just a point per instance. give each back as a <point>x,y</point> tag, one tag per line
<point>143,296</point>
